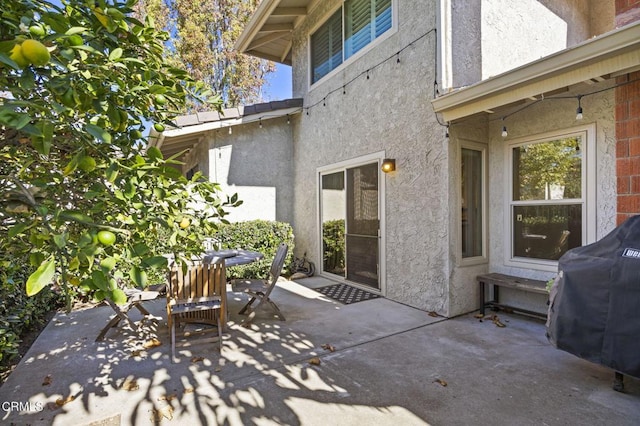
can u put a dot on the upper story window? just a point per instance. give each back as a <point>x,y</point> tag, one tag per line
<point>355,25</point>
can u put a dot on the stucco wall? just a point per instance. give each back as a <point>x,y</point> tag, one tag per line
<point>490,37</point>
<point>253,162</point>
<point>388,112</point>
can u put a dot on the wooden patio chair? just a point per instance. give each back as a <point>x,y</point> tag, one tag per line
<point>260,289</point>
<point>196,295</point>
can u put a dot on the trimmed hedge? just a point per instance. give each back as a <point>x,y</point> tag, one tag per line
<point>256,235</point>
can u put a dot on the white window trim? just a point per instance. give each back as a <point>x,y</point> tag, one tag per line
<point>484,258</point>
<point>341,166</point>
<point>589,171</point>
<point>355,56</point>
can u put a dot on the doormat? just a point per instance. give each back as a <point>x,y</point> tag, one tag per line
<point>346,294</point>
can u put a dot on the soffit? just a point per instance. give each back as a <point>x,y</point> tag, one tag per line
<point>613,53</point>
<point>269,33</point>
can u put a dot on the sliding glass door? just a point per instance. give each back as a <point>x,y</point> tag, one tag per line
<point>350,217</point>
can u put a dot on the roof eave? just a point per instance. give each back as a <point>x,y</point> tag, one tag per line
<point>609,53</point>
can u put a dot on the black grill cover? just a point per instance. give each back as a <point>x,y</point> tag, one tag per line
<point>594,310</point>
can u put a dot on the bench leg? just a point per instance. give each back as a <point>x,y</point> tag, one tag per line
<point>618,382</point>
<point>482,298</point>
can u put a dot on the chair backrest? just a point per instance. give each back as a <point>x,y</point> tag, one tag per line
<point>278,263</point>
<point>197,281</point>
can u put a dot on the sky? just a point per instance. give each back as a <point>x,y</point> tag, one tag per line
<point>278,87</point>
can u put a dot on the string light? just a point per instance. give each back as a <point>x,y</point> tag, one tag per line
<point>579,110</point>
<point>504,129</point>
<point>230,130</point>
<point>260,123</point>
<point>288,119</point>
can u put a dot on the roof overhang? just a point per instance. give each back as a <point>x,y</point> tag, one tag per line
<point>608,55</point>
<point>268,34</point>
<point>193,128</point>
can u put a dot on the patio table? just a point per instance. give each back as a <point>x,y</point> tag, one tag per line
<point>233,257</point>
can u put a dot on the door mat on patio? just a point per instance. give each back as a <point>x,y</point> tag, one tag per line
<point>346,294</point>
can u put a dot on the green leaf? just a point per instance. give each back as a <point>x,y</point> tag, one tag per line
<point>118,296</point>
<point>60,240</point>
<point>138,276</point>
<point>75,30</point>
<point>154,153</point>
<point>41,277</point>
<point>115,54</point>
<point>18,229</point>
<point>155,262</point>
<point>99,280</point>
<point>98,133</point>
<point>107,264</point>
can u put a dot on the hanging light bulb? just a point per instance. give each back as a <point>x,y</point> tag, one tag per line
<point>446,135</point>
<point>230,130</point>
<point>288,119</point>
<point>260,122</point>
<point>579,110</point>
<point>504,130</point>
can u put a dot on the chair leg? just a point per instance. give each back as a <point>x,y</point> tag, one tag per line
<point>219,332</point>
<point>247,306</point>
<point>173,341</point>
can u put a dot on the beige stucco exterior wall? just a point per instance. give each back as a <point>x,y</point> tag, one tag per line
<point>388,112</point>
<point>490,37</point>
<point>253,162</point>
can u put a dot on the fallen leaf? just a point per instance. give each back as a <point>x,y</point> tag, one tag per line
<point>218,369</point>
<point>47,380</point>
<point>136,353</point>
<point>130,385</point>
<point>440,382</point>
<point>152,343</point>
<point>328,347</point>
<point>197,359</point>
<point>164,412</point>
<point>479,316</point>
<point>497,321</point>
<point>433,314</point>
<point>168,397</point>
<point>60,402</point>
<point>189,390</point>
<point>315,361</point>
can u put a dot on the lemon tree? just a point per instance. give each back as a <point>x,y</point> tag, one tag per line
<point>83,203</point>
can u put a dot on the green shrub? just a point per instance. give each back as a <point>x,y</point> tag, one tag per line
<point>256,235</point>
<point>333,246</point>
<point>19,313</point>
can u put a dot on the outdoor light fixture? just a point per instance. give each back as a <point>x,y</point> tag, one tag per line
<point>579,110</point>
<point>388,165</point>
<point>504,129</point>
<point>230,130</point>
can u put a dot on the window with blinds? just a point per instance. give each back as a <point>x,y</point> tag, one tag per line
<point>364,21</point>
<point>326,47</point>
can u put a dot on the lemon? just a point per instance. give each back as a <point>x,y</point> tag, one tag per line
<point>87,164</point>
<point>106,238</point>
<point>35,52</point>
<point>160,99</point>
<point>17,56</point>
<point>159,127</point>
<point>184,223</point>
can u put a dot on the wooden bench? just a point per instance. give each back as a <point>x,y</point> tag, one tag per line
<point>495,281</point>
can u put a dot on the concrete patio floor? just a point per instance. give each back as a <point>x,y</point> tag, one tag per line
<point>391,365</point>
